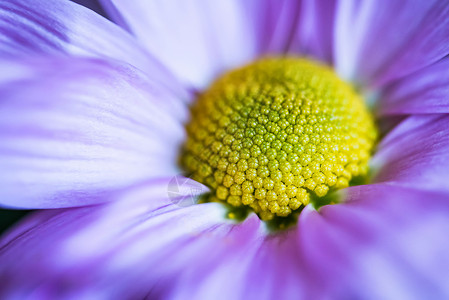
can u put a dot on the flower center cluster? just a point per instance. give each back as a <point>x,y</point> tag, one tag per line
<point>275,132</point>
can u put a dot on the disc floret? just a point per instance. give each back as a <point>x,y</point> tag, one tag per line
<point>275,132</point>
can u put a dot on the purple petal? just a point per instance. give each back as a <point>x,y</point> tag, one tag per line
<point>275,24</point>
<point>385,243</point>
<point>415,154</point>
<point>58,27</point>
<point>118,250</point>
<point>190,38</point>
<point>74,130</point>
<point>144,246</point>
<point>379,41</point>
<point>199,40</point>
<point>426,91</point>
<point>314,34</point>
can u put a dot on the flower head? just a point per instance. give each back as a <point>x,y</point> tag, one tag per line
<point>95,116</point>
<point>272,133</point>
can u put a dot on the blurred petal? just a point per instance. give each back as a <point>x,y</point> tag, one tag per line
<point>275,24</point>
<point>56,27</point>
<point>74,130</point>
<point>198,40</point>
<point>314,34</point>
<point>415,153</point>
<point>145,246</point>
<point>386,242</point>
<point>424,92</point>
<point>120,250</point>
<point>379,41</point>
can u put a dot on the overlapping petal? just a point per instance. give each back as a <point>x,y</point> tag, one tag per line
<point>314,33</point>
<point>137,247</point>
<point>79,131</point>
<point>122,250</point>
<point>55,27</point>
<point>379,41</point>
<point>385,242</point>
<point>424,92</point>
<point>341,32</point>
<point>74,130</point>
<point>198,40</point>
<point>415,154</point>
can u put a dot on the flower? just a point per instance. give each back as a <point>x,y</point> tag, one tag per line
<point>91,123</point>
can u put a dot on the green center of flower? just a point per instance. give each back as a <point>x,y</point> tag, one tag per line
<point>274,133</point>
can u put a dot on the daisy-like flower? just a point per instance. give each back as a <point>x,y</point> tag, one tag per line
<point>314,133</point>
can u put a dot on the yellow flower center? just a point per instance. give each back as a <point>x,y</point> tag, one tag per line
<point>274,133</point>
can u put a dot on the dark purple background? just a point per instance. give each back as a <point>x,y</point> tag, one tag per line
<point>92,4</point>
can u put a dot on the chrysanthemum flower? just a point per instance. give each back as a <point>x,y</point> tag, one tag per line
<point>93,120</point>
